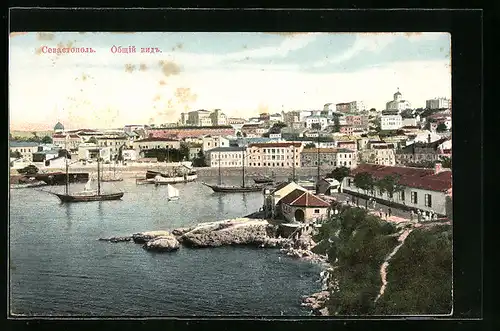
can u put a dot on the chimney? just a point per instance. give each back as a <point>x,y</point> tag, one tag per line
<point>437,167</point>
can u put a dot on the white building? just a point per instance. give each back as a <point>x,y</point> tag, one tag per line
<point>398,103</point>
<point>438,103</point>
<point>316,122</point>
<point>211,142</point>
<point>428,190</point>
<point>411,121</point>
<point>129,154</point>
<point>227,157</point>
<point>356,106</point>
<point>24,148</point>
<point>199,118</point>
<point>391,120</point>
<point>277,117</point>
<point>279,154</point>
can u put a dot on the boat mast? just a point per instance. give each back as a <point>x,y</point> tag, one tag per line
<point>317,179</point>
<point>243,162</point>
<point>220,178</point>
<point>293,162</point>
<point>66,189</point>
<point>98,172</point>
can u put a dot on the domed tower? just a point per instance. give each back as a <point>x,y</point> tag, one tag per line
<point>58,128</point>
<point>397,96</point>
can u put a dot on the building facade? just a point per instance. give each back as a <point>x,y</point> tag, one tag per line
<point>24,148</point>
<point>199,118</point>
<point>438,103</point>
<point>218,118</point>
<point>329,157</point>
<point>282,154</point>
<point>143,145</point>
<point>391,120</point>
<point>316,122</point>
<point>211,142</point>
<point>227,157</point>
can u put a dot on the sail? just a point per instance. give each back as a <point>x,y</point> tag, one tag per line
<point>88,187</point>
<point>172,192</point>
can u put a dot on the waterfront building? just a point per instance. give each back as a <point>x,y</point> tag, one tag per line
<point>391,120</point>
<point>428,190</point>
<point>398,103</point>
<point>143,145</point>
<point>280,154</point>
<point>211,142</point>
<point>23,148</point>
<point>329,157</point>
<point>231,156</point>
<point>114,143</point>
<point>438,103</point>
<point>272,197</point>
<point>304,207</point>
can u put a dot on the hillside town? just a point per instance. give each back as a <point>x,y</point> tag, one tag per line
<point>400,140</point>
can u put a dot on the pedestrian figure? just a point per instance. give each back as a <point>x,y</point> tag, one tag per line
<point>419,215</point>
<point>380,213</point>
<point>411,215</point>
<point>390,212</point>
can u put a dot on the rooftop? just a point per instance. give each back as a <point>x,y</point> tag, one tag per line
<point>273,144</point>
<point>327,150</point>
<point>227,149</point>
<point>23,144</point>
<point>299,198</point>
<point>154,139</point>
<point>419,178</point>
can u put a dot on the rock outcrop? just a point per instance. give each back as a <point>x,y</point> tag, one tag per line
<point>116,239</point>
<point>143,237</point>
<point>164,243</point>
<point>317,302</point>
<point>240,231</point>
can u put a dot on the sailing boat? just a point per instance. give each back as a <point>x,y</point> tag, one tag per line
<point>172,193</point>
<point>112,176</point>
<point>88,194</point>
<point>265,179</point>
<point>234,189</point>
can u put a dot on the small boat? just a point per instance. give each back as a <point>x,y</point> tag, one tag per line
<point>172,193</point>
<point>141,181</point>
<point>265,179</point>
<point>27,185</point>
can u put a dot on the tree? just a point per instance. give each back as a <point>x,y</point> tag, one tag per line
<point>446,162</point>
<point>200,161</point>
<point>15,154</point>
<point>238,134</point>
<point>339,174</point>
<point>29,170</point>
<point>310,145</point>
<point>441,127</point>
<point>64,153</point>
<point>184,152</point>
<point>92,140</point>
<point>364,181</point>
<point>47,140</point>
<point>389,184</point>
<point>336,124</point>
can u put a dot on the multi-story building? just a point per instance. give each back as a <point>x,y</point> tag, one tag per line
<point>343,107</point>
<point>24,148</point>
<point>291,117</point>
<point>347,129</point>
<point>114,143</point>
<point>398,103</point>
<point>391,120</point>
<point>218,118</point>
<point>350,107</point>
<point>233,120</point>
<point>329,157</point>
<point>422,152</point>
<point>69,141</point>
<point>132,127</point>
<point>211,142</point>
<point>277,117</point>
<point>185,132</point>
<point>231,156</point>
<point>357,121</point>
<point>438,103</point>
<point>412,121</point>
<point>199,118</point>
<point>381,154</point>
<point>282,154</point>
<point>316,122</point>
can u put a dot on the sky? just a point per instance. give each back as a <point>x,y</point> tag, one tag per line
<point>243,74</point>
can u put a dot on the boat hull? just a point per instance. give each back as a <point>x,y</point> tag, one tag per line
<point>89,198</point>
<point>175,180</point>
<point>235,189</point>
<point>112,180</point>
<point>150,174</point>
<point>263,181</point>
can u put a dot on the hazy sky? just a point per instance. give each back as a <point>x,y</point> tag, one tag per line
<point>241,73</point>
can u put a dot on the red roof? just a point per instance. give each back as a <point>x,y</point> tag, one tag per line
<point>275,144</point>
<point>155,139</point>
<point>419,178</point>
<point>75,136</point>
<point>299,198</point>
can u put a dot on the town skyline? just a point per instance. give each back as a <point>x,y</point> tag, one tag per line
<point>243,74</point>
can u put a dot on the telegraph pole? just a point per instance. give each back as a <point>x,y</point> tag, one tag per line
<point>317,156</point>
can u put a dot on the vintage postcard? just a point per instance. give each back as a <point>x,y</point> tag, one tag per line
<point>230,174</point>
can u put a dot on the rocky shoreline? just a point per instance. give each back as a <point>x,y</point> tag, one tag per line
<point>245,231</point>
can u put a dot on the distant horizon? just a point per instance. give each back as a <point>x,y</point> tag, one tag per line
<point>243,74</point>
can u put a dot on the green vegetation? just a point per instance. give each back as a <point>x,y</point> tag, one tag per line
<point>29,170</point>
<point>200,161</point>
<point>15,154</point>
<point>33,138</point>
<point>419,274</point>
<point>339,174</point>
<point>441,127</point>
<point>168,154</point>
<point>310,145</point>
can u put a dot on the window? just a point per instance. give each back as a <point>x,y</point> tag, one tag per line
<point>428,200</point>
<point>402,195</point>
<point>414,198</point>
<point>316,211</point>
